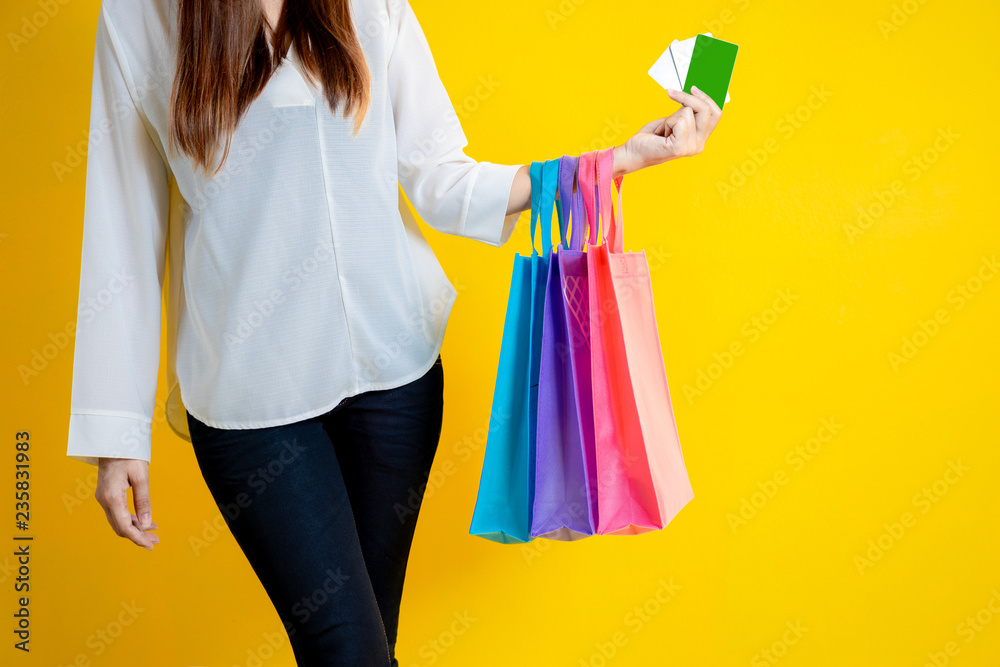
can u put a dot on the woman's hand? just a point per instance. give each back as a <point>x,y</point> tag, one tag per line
<point>681,134</point>
<point>114,477</point>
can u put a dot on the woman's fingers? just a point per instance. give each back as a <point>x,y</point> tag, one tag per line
<point>706,112</point>
<point>682,133</point>
<point>657,127</point>
<point>682,137</point>
<point>687,99</point>
<point>135,522</point>
<point>138,477</point>
<point>713,108</point>
<point>113,482</point>
<point>154,538</point>
<point>710,118</point>
<point>697,104</point>
<point>118,515</point>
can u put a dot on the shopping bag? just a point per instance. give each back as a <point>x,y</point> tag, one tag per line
<point>505,498</point>
<point>642,480</point>
<point>565,497</point>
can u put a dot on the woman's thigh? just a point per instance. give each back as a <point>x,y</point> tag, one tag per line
<point>283,496</point>
<point>385,442</point>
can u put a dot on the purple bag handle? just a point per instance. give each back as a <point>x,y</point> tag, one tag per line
<point>572,203</point>
<point>579,215</point>
<point>579,221</point>
<point>567,167</point>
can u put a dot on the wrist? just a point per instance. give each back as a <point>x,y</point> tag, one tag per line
<point>623,163</point>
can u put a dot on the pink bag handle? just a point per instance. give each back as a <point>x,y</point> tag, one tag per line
<point>585,184</point>
<point>612,229</point>
<point>601,164</point>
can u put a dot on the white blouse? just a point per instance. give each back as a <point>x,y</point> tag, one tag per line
<point>297,275</point>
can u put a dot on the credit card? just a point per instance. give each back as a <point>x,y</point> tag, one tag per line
<point>711,68</point>
<point>671,68</point>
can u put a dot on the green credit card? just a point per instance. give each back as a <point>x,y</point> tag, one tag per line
<point>711,68</point>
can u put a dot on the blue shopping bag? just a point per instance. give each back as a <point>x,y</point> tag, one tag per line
<point>506,485</point>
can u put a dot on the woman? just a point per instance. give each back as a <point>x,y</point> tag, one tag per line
<point>306,310</point>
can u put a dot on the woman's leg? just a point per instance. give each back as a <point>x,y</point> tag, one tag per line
<point>283,496</point>
<point>385,442</point>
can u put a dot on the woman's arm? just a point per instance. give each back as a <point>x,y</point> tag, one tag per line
<point>123,258</point>
<point>680,134</point>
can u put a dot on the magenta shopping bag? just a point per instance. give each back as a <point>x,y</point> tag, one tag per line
<point>565,497</point>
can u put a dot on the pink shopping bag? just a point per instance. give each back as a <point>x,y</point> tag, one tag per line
<point>642,482</point>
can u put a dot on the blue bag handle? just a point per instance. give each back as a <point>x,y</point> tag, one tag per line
<point>550,181</point>
<point>544,180</point>
<point>535,174</point>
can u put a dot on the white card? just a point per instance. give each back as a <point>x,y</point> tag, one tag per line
<point>671,68</point>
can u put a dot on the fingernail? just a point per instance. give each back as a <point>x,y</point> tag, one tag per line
<point>694,87</point>
<point>671,91</point>
<point>145,518</point>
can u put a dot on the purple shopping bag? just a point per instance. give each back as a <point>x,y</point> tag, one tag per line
<point>565,497</point>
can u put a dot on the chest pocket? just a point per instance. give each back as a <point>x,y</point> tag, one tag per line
<point>287,87</point>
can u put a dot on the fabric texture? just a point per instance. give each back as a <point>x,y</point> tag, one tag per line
<point>297,275</point>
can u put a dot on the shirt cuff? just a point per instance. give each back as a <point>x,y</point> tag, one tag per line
<point>94,436</point>
<point>486,219</point>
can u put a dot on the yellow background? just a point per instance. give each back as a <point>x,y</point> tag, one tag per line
<point>569,77</point>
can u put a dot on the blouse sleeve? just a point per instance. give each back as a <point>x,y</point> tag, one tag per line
<point>117,347</point>
<point>450,191</point>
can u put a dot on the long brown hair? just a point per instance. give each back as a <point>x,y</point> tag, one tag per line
<point>224,62</point>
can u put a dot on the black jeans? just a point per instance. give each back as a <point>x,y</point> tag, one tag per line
<point>324,509</point>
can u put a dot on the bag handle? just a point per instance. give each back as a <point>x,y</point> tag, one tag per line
<point>585,183</point>
<point>550,180</point>
<point>544,176</point>
<point>579,219</point>
<point>567,174</point>
<point>535,175</point>
<point>575,221</point>
<point>613,229</point>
